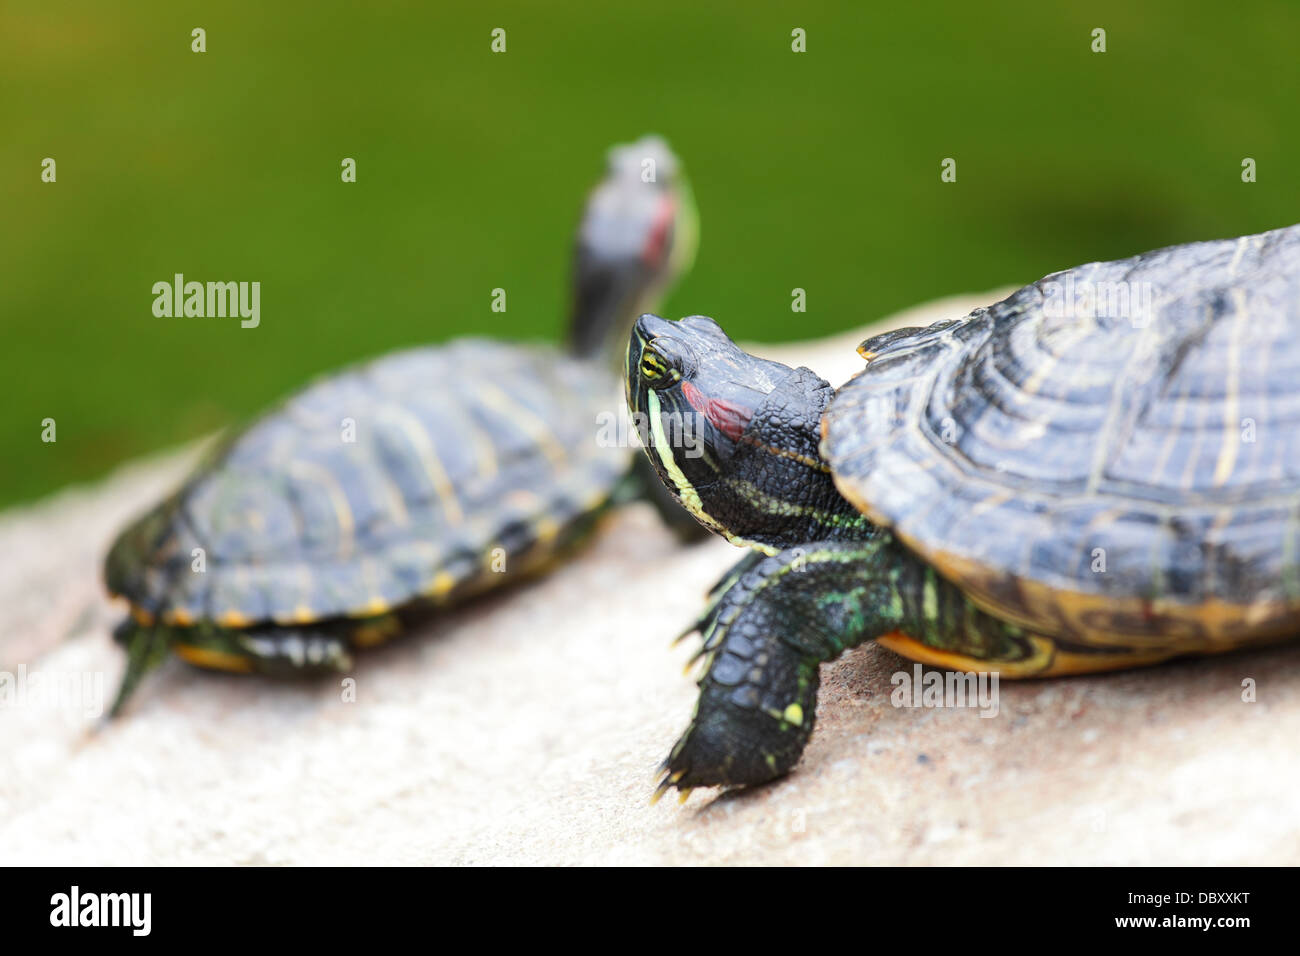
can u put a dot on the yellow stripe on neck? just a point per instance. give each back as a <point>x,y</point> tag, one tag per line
<point>686,492</point>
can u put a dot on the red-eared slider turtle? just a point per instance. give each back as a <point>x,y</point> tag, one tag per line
<point>1056,484</point>
<point>410,481</point>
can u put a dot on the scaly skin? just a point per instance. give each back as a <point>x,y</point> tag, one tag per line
<point>765,636</point>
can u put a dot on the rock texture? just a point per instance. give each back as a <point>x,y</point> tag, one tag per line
<point>527,728</point>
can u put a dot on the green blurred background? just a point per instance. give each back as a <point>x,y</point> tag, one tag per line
<point>818,170</point>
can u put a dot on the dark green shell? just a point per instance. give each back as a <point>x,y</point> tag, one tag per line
<point>1129,474</point>
<point>426,473</point>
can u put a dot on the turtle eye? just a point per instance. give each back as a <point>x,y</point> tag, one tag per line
<point>666,361</point>
<point>653,366</point>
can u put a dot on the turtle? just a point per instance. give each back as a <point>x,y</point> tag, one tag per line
<point>1100,471</point>
<point>406,484</point>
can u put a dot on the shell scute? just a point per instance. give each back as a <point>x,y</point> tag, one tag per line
<point>1051,459</point>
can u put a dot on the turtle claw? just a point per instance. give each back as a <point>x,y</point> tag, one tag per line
<point>703,653</point>
<point>666,783</point>
<point>694,628</point>
<point>694,763</point>
<point>706,625</point>
<point>709,626</point>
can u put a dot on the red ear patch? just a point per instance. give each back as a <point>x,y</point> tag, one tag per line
<point>726,417</point>
<point>654,247</point>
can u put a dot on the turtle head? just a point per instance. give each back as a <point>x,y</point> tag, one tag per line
<point>638,235</point>
<point>733,436</point>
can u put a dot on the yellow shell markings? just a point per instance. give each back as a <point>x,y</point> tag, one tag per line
<point>912,420</point>
<point>377,632</point>
<point>443,583</point>
<point>485,453</point>
<point>317,475</point>
<point>1029,430</point>
<point>1242,244</point>
<point>1040,374</point>
<point>212,659</point>
<point>233,619</point>
<point>547,530</point>
<point>1048,659</point>
<point>1200,430</point>
<point>301,612</point>
<point>595,501</point>
<point>1181,404</point>
<point>1119,408</point>
<point>1208,627</point>
<point>245,588</point>
<point>523,417</point>
<point>1063,341</point>
<point>1035,665</point>
<point>1189,457</point>
<point>430,461</point>
<point>396,501</point>
<point>1231,428</point>
<point>1231,441</point>
<point>375,603</point>
<point>993,496</point>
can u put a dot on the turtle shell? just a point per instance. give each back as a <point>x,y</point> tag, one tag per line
<point>428,472</point>
<point>1128,475</point>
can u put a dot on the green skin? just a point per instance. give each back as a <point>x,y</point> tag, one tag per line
<point>631,245</point>
<point>735,438</point>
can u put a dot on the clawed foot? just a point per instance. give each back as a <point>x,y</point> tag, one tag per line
<point>757,699</point>
<point>732,747</point>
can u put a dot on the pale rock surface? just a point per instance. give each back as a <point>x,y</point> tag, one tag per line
<point>527,729</point>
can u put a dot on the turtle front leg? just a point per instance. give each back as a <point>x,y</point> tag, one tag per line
<point>779,618</point>
<point>764,638</point>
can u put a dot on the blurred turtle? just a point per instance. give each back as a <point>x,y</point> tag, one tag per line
<point>412,481</point>
<point>1101,471</point>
